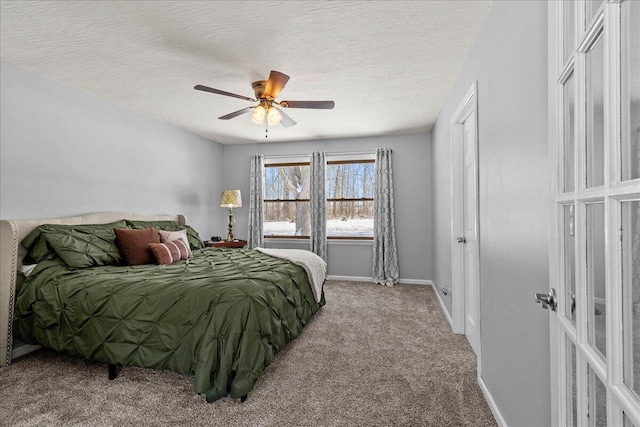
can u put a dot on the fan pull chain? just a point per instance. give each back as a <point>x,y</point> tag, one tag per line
<point>266,128</point>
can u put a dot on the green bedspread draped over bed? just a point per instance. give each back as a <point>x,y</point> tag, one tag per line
<point>221,316</point>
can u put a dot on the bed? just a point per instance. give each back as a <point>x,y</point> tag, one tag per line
<point>220,316</point>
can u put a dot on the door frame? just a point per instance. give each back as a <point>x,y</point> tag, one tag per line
<point>468,106</point>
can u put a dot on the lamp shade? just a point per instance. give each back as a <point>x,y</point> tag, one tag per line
<point>231,199</point>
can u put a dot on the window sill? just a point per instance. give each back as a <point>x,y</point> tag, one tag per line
<point>304,241</point>
<point>350,242</point>
<point>331,242</point>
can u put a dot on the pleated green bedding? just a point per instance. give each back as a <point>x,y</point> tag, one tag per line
<point>221,316</point>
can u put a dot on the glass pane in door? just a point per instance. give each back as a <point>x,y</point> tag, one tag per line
<point>569,114</point>
<point>592,8</point>
<point>570,262</point>
<point>630,152</point>
<point>626,421</point>
<point>597,400</point>
<point>595,115</point>
<point>572,387</point>
<point>569,28</point>
<point>631,293</point>
<point>595,264</point>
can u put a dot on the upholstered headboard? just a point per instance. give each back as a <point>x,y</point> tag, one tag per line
<point>11,253</point>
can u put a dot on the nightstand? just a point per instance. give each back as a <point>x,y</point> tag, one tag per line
<point>225,244</point>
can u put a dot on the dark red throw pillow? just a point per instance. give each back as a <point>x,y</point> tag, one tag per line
<point>133,245</point>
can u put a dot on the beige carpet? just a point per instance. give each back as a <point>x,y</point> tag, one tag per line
<point>373,356</point>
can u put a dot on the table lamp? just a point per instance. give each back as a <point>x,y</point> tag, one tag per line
<point>231,199</point>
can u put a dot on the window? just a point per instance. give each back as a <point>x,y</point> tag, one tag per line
<point>349,188</point>
<point>286,200</point>
<point>350,199</point>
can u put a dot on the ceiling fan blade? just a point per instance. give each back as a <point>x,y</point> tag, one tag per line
<point>320,105</point>
<point>222,92</point>
<point>275,84</point>
<point>286,120</point>
<point>236,113</point>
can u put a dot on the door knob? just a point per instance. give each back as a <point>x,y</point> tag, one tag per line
<point>461,240</point>
<point>547,300</point>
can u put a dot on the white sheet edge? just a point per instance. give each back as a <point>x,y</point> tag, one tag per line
<point>315,267</point>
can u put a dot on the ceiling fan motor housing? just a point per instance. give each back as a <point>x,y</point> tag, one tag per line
<point>258,88</point>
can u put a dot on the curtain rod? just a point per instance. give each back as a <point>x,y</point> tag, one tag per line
<point>345,153</point>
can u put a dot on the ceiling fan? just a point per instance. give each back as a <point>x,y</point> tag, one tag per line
<point>266,92</point>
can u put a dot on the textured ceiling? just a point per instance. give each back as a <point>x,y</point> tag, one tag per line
<point>388,65</point>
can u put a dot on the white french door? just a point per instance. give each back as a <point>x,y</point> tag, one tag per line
<point>594,91</point>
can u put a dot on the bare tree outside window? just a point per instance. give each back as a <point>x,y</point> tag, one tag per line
<point>350,199</point>
<point>287,189</point>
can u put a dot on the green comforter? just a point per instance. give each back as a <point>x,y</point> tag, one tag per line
<point>221,316</point>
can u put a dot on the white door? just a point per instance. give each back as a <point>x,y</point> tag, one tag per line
<point>594,142</point>
<point>470,247</point>
<point>464,222</point>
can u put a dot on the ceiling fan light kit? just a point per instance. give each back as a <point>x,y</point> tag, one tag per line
<point>273,116</point>
<point>258,115</point>
<point>266,92</point>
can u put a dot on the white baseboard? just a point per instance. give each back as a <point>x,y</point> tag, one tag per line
<point>492,403</point>
<point>349,278</point>
<point>368,279</point>
<point>416,282</point>
<point>444,308</point>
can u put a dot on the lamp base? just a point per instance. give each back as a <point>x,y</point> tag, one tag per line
<point>230,235</point>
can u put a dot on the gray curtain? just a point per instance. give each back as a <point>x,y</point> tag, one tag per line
<point>318,205</point>
<point>385,251</point>
<point>256,201</point>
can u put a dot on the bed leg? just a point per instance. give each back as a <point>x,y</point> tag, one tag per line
<point>113,372</point>
<point>244,398</point>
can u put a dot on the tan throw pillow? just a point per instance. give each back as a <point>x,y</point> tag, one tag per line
<point>170,236</point>
<point>166,253</point>
<point>134,245</point>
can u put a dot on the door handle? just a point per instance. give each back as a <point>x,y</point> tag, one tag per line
<point>461,240</point>
<point>547,300</point>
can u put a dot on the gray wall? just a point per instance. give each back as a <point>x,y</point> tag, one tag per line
<point>412,189</point>
<point>509,62</point>
<point>64,152</point>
